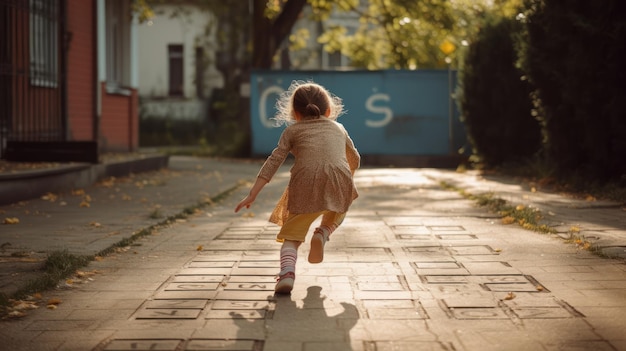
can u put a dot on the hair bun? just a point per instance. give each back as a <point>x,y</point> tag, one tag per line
<point>313,110</point>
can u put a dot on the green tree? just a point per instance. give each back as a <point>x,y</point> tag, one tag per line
<point>574,55</point>
<point>494,99</point>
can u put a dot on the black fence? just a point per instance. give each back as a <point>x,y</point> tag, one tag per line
<point>32,73</point>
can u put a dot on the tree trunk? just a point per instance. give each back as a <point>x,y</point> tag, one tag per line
<point>269,34</point>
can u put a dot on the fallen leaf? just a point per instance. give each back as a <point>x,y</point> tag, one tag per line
<point>539,288</point>
<point>199,248</point>
<point>51,307</point>
<point>11,220</point>
<point>84,204</point>
<point>54,301</point>
<point>508,220</point>
<point>24,305</point>
<point>49,197</point>
<point>520,207</point>
<point>95,224</point>
<point>16,314</point>
<point>574,229</point>
<point>509,296</point>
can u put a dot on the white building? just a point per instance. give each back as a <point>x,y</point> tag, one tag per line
<point>172,56</point>
<point>177,63</point>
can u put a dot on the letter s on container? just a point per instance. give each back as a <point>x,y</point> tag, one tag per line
<point>387,111</point>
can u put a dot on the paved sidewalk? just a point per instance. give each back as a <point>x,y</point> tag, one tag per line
<point>413,267</point>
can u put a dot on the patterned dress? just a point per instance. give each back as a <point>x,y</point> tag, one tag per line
<point>321,177</point>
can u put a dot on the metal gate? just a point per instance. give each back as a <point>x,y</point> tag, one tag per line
<point>32,72</point>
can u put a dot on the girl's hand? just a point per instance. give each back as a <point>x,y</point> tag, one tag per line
<point>246,202</point>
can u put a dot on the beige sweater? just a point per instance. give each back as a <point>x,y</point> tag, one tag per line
<point>321,177</point>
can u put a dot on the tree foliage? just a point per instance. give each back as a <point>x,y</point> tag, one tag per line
<point>494,99</point>
<point>573,55</point>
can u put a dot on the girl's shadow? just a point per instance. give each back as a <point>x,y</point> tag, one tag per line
<point>315,325</point>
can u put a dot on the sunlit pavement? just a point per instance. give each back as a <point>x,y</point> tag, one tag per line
<point>413,267</point>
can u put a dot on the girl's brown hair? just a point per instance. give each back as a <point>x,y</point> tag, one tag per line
<point>310,100</point>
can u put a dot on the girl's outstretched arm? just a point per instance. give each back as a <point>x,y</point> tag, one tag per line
<point>248,200</point>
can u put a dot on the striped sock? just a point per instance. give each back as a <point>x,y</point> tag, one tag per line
<point>288,258</point>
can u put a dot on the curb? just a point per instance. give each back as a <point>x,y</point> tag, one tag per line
<point>28,185</point>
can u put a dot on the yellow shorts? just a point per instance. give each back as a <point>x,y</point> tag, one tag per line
<point>297,225</point>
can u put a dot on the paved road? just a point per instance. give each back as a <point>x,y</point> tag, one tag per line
<point>413,267</point>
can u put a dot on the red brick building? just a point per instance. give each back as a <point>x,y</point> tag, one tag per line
<point>68,79</point>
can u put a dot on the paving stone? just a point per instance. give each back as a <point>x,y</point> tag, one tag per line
<point>446,279</point>
<point>542,312</point>
<point>187,286</point>
<point>186,295</point>
<point>176,304</point>
<point>259,264</point>
<point>252,279</point>
<point>375,286</point>
<point>139,344</point>
<point>163,313</point>
<point>411,229</point>
<point>204,271</point>
<point>454,237</point>
<point>426,238</point>
<point>478,313</point>
<point>408,346</point>
<point>516,287</point>
<point>198,278</point>
<point>245,295</point>
<point>225,345</point>
<point>210,264</point>
<point>250,286</point>
<point>471,250</point>
<point>470,300</point>
<point>438,265</point>
<point>61,325</point>
<point>243,305</point>
<point>236,314</point>
<point>485,268</point>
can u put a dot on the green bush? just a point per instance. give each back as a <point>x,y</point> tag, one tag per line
<point>574,54</point>
<point>494,98</point>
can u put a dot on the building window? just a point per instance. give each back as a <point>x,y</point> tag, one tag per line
<point>334,59</point>
<point>44,42</point>
<point>117,44</point>
<point>175,63</point>
<point>200,68</point>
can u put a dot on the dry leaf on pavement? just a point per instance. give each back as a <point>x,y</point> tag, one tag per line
<point>11,220</point>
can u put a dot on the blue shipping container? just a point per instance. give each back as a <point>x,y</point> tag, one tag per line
<point>388,112</point>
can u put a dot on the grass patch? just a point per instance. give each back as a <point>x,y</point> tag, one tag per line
<point>58,266</point>
<point>526,217</point>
